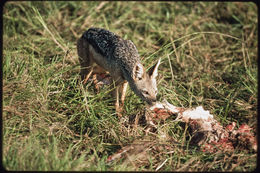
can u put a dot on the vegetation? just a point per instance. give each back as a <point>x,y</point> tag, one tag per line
<point>51,121</point>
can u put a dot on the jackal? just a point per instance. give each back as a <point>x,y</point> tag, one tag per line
<point>120,58</point>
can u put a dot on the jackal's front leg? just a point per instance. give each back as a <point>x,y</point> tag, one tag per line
<point>123,92</point>
<point>117,106</point>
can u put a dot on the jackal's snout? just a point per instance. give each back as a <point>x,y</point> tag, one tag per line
<point>151,101</point>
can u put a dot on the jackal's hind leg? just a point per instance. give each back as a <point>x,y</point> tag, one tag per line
<point>88,75</point>
<point>95,82</point>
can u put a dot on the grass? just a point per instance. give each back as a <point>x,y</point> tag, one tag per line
<point>52,122</point>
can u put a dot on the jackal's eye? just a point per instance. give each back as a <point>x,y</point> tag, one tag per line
<point>145,92</point>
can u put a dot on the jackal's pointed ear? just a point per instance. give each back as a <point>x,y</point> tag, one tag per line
<point>153,71</point>
<point>138,71</point>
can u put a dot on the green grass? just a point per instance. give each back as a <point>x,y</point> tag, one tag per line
<point>52,122</point>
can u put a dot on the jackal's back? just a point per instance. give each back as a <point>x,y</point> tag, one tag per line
<point>116,51</point>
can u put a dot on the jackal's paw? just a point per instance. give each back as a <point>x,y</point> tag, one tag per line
<point>119,111</point>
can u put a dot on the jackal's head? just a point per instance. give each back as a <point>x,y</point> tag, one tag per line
<point>145,82</point>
